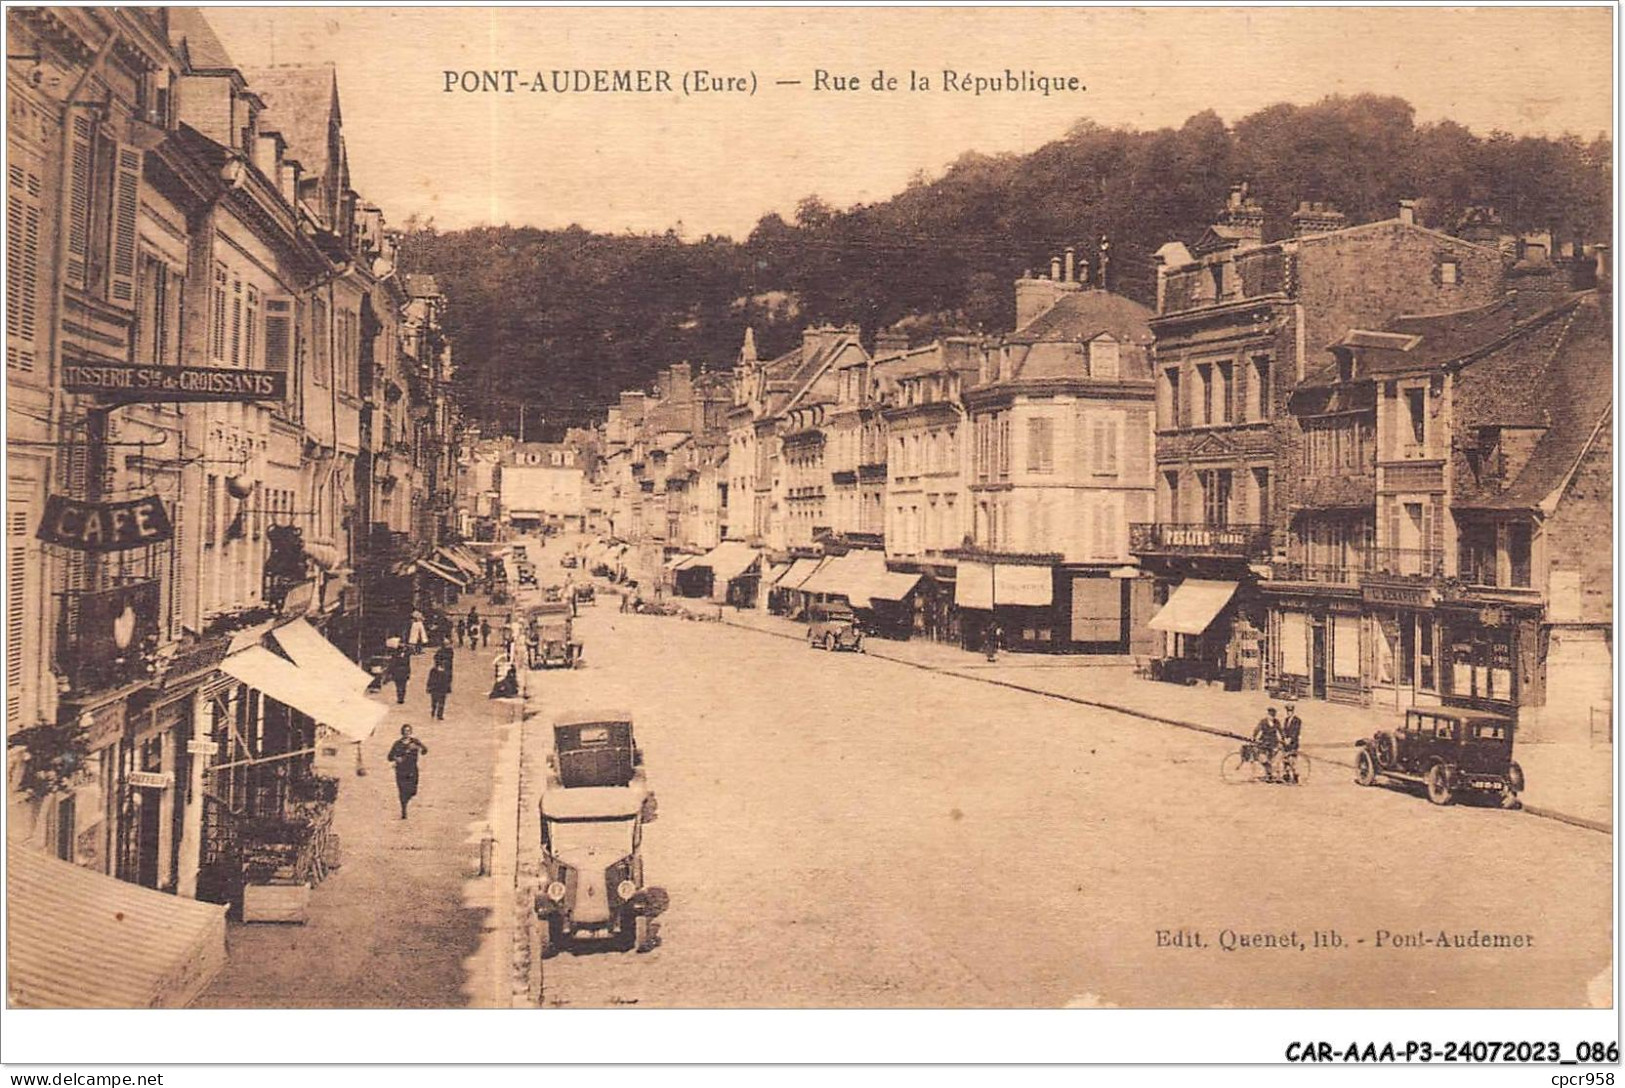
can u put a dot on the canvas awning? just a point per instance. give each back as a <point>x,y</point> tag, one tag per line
<point>892,585</point>
<point>460,561</point>
<point>775,571</point>
<point>1192,606</point>
<point>799,572</point>
<point>78,939</point>
<point>332,700</point>
<point>853,576</point>
<point>678,562</point>
<point>727,560</point>
<point>310,649</point>
<point>455,577</point>
<point>827,578</point>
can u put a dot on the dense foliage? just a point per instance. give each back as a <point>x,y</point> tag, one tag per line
<point>565,319</point>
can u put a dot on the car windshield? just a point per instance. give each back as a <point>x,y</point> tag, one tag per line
<point>609,838</point>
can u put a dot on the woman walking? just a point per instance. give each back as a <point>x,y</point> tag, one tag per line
<point>404,754</point>
<point>400,671</point>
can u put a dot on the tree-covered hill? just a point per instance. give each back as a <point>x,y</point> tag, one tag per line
<point>565,319</point>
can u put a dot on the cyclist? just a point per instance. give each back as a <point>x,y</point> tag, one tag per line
<point>1266,740</point>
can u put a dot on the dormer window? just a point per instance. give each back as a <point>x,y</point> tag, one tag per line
<point>1449,271</point>
<point>1105,356</point>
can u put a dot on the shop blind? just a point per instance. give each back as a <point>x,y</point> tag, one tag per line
<point>1097,610</point>
<point>1345,646</point>
<point>1294,644</point>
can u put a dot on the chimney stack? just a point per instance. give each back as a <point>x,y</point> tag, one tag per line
<point>1316,217</point>
<point>1055,269</point>
<point>1071,264</point>
<point>1243,215</point>
<point>1407,212</point>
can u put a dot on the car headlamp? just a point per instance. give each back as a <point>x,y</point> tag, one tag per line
<point>555,891</point>
<point>626,889</point>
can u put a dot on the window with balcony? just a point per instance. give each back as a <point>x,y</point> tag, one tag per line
<point>1413,438</point>
<point>1170,496</point>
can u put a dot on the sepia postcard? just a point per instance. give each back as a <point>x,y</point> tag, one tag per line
<point>576,508</point>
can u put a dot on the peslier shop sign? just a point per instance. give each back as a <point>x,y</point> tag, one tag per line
<point>137,382</point>
<point>104,526</point>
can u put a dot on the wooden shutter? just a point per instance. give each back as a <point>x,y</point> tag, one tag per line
<point>278,333</point>
<point>126,206</point>
<point>217,314</point>
<point>78,202</point>
<point>177,565</point>
<point>23,215</point>
<point>19,516</point>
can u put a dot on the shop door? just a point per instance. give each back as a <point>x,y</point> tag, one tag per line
<point>151,809</point>
<point>1407,649</point>
<point>1317,660</point>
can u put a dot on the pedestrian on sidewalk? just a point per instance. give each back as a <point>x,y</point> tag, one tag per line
<point>404,754</point>
<point>439,686</point>
<point>485,634</point>
<point>400,671</point>
<point>444,656</point>
<point>461,627</point>
<point>473,622</point>
<point>505,678</point>
<point>417,635</point>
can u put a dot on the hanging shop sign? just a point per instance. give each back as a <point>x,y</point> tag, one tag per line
<point>104,526</point>
<point>150,780</point>
<point>136,382</point>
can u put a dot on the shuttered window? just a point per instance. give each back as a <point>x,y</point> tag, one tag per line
<point>126,205</point>
<point>237,321</point>
<point>1106,438</point>
<point>251,328</point>
<point>217,314</point>
<point>278,333</point>
<point>211,510</point>
<point>1040,445</point>
<point>23,215</point>
<point>79,195</point>
<point>19,516</point>
<point>177,564</point>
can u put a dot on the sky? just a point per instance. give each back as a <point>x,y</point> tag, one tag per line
<point>716,163</point>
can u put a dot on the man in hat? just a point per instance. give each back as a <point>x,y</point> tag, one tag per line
<point>1266,740</point>
<point>1291,731</point>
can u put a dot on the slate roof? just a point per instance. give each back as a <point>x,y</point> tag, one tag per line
<point>1083,316</point>
<point>301,99</point>
<point>191,33</point>
<point>1574,391</point>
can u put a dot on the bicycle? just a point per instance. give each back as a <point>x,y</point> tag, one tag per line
<point>1249,763</point>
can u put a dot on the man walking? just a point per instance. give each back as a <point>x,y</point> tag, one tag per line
<point>439,686</point>
<point>404,754</point>
<point>400,671</point>
<point>444,656</point>
<point>1291,732</point>
<point>485,634</point>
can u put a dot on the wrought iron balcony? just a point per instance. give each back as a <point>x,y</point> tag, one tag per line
<point>1407,562</point>
<point>1358,567</point>
<point>1196,538</point>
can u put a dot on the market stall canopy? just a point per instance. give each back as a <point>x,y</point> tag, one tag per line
<point>451,575</point>
<point>799,572</point>
<point>78,939</point>
<point>313,691</point>
<point>1194,603</point>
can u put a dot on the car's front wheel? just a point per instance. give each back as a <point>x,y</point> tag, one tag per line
<point>829,643</point>
<point>1365,768</point>
<point>1440,792</point>
<point>1514,779</point>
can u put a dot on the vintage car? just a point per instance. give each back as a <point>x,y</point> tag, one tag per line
<point>585,594</point>
<point>554,646</point>
<point>553,593</point>
<point>569,562</point>
<point>592,888</point>
<point>1447,751</point>
<point>594,748</point>
<point>525,573</point>
<point>833,627</point>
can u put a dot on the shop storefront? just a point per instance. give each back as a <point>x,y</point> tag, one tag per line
<point>1214,630</point>
<point>1491,655</point>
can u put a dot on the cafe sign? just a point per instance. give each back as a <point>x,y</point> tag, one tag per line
<point>104,526</point>
<point>137,382</point>
<point>1395,593</point>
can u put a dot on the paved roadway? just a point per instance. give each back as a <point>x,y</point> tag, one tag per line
<point>847,831</point>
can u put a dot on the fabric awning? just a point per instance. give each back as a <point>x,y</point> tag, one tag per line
<point>727,560</point>
<point>852,576</point>
<point>1192,606</point>
<point>311,691</point>
<point>892,586</point>
<point>455,577</point>
<point>799,572</point>
<point>775,572</point>
<point>310,649</point>
<point>78,939</point>
<point>827,578</point>
<point>678,562</point>
<point>461,562</point>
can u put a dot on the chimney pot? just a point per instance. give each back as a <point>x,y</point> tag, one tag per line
<point>1055,268</point>
<point>1071,266</point>
<point>1600,251</point>
<point>1407,211</point>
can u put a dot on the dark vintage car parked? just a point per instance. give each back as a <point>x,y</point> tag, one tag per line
<point>1448,751</point>
<point>833,627</point>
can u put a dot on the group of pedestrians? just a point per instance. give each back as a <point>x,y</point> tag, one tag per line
<point>472,630</point>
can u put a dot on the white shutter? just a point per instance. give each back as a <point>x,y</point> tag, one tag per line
<point>126,206</point>
<point>23,216</point>
<point>19,518</point>
<point>78,202</point>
